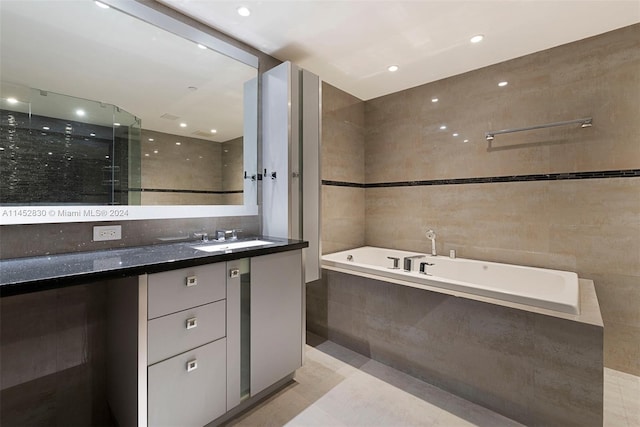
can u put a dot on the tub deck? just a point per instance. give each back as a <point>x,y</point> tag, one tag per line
<point>540,288</point>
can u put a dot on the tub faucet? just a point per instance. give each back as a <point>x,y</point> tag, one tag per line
<point>431,235</point>
<point>395,260</point>
<point>408,261</point>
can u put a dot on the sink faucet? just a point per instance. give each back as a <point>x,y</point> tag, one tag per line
<point>222,235</point>
<point>431,235</point>
<point>408,261</point>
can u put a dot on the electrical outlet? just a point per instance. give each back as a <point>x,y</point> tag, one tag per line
<point>107,232</point>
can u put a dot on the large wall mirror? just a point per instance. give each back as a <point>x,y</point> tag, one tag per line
<point>121,112</point>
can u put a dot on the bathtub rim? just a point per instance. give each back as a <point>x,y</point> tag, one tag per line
<point>589,306</point>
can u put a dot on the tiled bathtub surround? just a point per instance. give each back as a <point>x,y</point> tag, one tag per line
<point>577,222</point>
<point>536,368</point>
<point>343,161</point>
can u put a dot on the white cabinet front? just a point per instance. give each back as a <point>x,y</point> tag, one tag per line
<point>189,390</point>
<point>276,317</point>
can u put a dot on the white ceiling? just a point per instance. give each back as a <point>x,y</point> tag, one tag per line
<point>350,43</point>
<point>75,48</point>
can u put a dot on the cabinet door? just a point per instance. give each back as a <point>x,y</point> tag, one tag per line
<point>276,317</point>
<point>189,390</point>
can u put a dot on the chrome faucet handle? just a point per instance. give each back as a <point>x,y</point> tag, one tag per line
<point>423,266</point>
<point>396,262</point>
<point>234,233</point>
<point>202,236</point>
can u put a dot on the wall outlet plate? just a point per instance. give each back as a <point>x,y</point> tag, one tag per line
<point>107,232</point>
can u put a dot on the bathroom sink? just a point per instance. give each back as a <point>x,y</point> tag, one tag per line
<point>227,246</point>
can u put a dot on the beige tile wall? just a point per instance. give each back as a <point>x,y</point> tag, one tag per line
<point>588,226</point>
<point>342,160</point>
<point>232,171</point>
<point>192,165</point>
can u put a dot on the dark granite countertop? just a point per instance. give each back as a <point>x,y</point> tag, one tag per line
<point>23,275</point>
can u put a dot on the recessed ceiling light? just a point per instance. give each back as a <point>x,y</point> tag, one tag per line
<point>503,84</point>
<point>243,11</point>
<point>80,113</point>
<point>155,151</point>
<point>183,125</point>
<point>443,127</point>
<point>466,140</point>
<point>92,134</point>
<point>201,46</point>
<point>393,68</point>
<point>214,131</point>
<point>434,100</point>
<point>50,153</point>
<point>106,157</point>
<point>101,5</point>
<point>178,143</point>
<point>46,127</point>
<point>151,139</point>
<point>12,100</point>
<point>116,124</point>
<point>477,38</point>
<point>146,154</point>
<point>456,134</point>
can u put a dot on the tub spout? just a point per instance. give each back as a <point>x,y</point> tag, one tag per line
<point>408,261</point>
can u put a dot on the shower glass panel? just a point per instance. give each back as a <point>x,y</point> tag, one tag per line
<point>57,149</point>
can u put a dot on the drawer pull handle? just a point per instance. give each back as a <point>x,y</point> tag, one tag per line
<point>192,323</point>
<point>192,365</point>
<point>192,280</point>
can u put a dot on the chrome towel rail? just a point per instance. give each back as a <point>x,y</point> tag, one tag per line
<point>584,123</point>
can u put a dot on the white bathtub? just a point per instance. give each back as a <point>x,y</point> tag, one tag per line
<point>538,287</point>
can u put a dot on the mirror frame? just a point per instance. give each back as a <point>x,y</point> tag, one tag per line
<point>13,215</point>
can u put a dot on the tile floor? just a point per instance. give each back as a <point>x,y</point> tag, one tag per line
<point>338,387</point>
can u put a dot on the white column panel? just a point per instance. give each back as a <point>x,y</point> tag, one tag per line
<point>311,138</point>
<point>276,139</point>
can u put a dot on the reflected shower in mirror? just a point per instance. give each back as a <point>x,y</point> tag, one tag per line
<point>101,108</point>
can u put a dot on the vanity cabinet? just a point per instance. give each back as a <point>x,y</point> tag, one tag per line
<point>276,318</point>
<point>186,346</point>
<point>210,339</point>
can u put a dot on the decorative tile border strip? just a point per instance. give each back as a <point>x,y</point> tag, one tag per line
<point>343,184</point>
<point>627,173</point>
<point>169,190</point>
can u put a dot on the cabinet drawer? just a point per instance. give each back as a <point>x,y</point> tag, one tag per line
<point>176,333</point>
<point>178,397</point>
<point>178,290</point>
